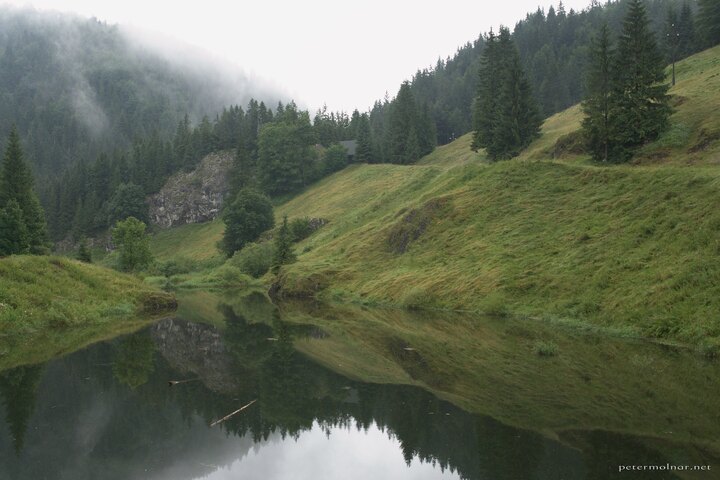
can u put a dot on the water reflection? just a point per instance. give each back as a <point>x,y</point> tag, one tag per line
<point>108,413</point>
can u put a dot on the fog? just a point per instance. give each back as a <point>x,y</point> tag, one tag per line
<point>345,54</point>
<point>201,80</point>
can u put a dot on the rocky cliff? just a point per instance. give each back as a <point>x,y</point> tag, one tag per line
<point>193,197</point>
<point>198,349</point>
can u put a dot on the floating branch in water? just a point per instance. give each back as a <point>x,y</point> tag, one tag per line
<point>233,413</point>
<point>176,382</point>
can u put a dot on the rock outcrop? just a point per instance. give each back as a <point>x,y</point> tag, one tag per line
<point>198,349</point>
<point>193,197</point>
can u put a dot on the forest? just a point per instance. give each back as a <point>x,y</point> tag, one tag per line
<point>88,179</point>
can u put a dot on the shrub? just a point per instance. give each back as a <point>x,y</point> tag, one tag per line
<point>177,267</point>
<point>300,229</point>
<point>228,276</point>
<point>254,260</point>
<point>545,349</point>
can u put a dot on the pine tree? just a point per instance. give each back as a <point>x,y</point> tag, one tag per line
<point>485,104</point>
<point>84,254</point>
<point>596,107</point>
<point>242,173</point>
<point>709,21</point>
<point>686,29</point>
<point>13,233</point>
<point>16,185</point>
<point>640,107</point>
<point>364,151</point>
<point>411,151</point>
<point>403,118</point>
<point>512,120</point>
<point>283,246</point>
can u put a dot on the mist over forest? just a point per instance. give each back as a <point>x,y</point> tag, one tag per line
<point>77,87</point>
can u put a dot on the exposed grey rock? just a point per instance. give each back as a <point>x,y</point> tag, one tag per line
<point>193,197</point>
<point>198,349</point>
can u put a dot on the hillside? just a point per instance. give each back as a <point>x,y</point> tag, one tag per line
<point>627,247</point>
<point>51,306</point>
<point>694,136</point>
<point>631,248</point>
<point>77,87</point>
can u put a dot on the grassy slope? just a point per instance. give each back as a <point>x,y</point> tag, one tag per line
<point>488,367</point>
<point>629,247</point>
<point>50,306</point>
<point>196,243</point>
<point>634,248</point>
<point>694,137</point>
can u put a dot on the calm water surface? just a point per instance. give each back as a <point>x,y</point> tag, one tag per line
<point>108,412</point>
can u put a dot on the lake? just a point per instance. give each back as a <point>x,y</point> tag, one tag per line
<point>356,393</point>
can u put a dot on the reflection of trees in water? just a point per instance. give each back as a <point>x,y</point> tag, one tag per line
<point>146,424</point>
<point>18,388</point>
<point>133,363</point>
<point>293,393</point>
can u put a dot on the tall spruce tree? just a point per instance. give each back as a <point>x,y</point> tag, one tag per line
<point>364,152</point>
<point>283,253</point>
<point>640,108</point>
<point>16,188</point>
<point>403,120</point>
<point>509,120</point>
<point>596,106</point>
<point>485,103</point>
<point>13,232</point>
<point>686,29</point>
<point>709,21</point>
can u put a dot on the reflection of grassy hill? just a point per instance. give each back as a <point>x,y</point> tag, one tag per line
<point>621,247</point>
<point>488,366</point>
<point>632,247</point>
<point>625,246</point>
<point>50,306</point>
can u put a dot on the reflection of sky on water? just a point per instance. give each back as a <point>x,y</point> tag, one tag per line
<point>347,453</point>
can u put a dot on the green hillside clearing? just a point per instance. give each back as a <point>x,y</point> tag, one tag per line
<point>51,306</point>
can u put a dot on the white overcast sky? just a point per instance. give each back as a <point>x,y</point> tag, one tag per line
<point>343,53</point>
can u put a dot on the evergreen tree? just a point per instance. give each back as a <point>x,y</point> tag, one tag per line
<point>246,218</point>
<point>334,159</point>
<point>13,233</point>
<point>127,201</point>
<point>242,173</point>
<point>686,29</point>
<point>134,245</point>
<point>640,107</point>
<point>485,104</point>
<point>509,121</point>
<point>596,107</point>
<point>709,21</point>
<point>84,254</point>
<point>283,246</point>
<point>411,152</point>
<point>402,122</point>
<point>364,151</point>
<point>18,391</point>
<point>16,185</point>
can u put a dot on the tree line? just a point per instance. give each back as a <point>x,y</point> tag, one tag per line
<point>626,102</point>
<point>554,46</point>
<point>22,220</point>
<point>277,151</point>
